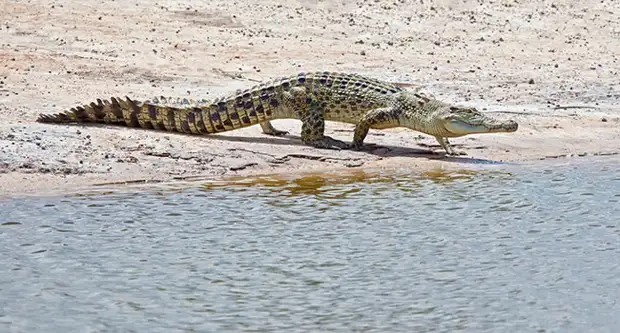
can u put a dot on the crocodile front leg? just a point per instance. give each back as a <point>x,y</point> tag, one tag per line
<point>377,119</point>
<point>445,144</point>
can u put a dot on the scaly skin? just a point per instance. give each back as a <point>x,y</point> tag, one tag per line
<point>312,98</point>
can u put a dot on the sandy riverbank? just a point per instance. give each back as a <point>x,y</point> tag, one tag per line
<point>552,68</point>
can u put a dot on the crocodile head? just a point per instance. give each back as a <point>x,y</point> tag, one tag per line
<point>459,121</point>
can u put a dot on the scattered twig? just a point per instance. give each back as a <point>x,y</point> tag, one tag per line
<point>317,157</point>
<point>127,182</point>
<point>579,155</point>
<point>233,75</point>
<point>243,166</point>
<point>304,156</point>
<point>281,159</point>
<point>251,151</point>
<point>566,107</point>
<point>157,154</point>
<point>516,112</point>
<point>406,85</point>
<point>178,157</point>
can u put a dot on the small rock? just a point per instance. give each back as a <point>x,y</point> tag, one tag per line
<point>531,81</point>
<point>604,119</point>
<point>354,164</point>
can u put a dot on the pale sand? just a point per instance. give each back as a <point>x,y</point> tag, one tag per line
<point>518,60</point>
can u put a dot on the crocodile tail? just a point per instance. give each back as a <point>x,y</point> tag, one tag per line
<point>204,119</point>
<point>113,111</point>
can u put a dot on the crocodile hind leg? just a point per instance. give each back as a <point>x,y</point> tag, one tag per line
<point>313,129</point>
<point>270,130</point>
<point>312,117</point>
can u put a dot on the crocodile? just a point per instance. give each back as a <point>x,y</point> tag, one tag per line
<point>312,97</point>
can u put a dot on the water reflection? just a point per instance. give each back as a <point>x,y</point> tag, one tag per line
<point>323,183</point>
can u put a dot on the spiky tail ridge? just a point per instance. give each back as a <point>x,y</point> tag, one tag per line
<point>206,119</point>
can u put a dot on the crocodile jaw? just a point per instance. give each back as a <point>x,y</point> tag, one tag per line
<point>461,127</point>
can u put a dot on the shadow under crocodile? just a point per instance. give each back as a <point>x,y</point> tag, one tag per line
<point>295,140</point>
<point>371,148</point>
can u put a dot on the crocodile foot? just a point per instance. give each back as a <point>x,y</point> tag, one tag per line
<point>276,132</point>
<point>327,142</point>
<point>363,146</point>
<point>453,153</point>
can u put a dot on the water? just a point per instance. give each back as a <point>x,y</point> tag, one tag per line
<point>531,248</point>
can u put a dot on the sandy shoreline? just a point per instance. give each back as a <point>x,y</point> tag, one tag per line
<point>553,69</point>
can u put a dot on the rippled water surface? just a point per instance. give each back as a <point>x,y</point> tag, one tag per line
<point>531,248</point>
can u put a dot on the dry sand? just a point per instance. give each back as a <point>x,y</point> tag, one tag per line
<point>553,67</point>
